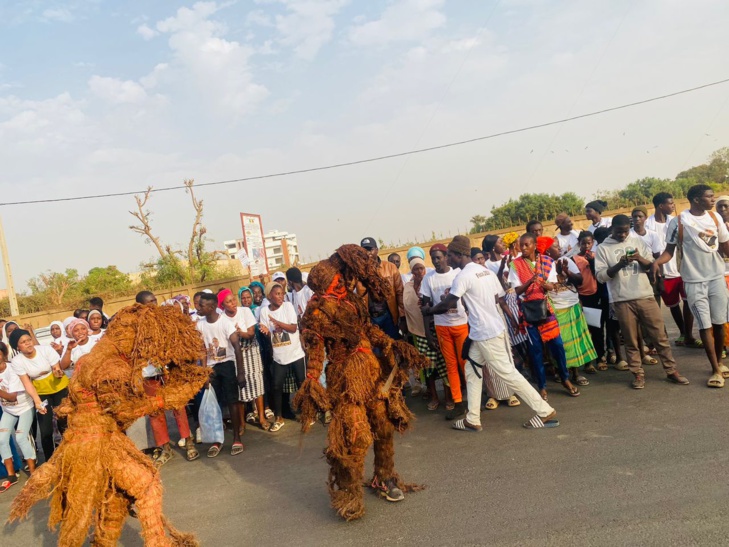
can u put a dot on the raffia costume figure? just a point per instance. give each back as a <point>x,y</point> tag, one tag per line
<point>97,473</point>
<point>364,390</point>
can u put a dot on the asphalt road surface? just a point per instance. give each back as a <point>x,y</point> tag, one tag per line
<point>626,467</point>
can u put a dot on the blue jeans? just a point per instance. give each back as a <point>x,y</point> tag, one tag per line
<point>387,325</point>
<point>22,434</point>
<point>556,347</point>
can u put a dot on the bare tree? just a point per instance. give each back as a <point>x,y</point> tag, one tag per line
<point>145,229</point>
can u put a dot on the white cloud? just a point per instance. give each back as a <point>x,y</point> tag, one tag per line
<point>152,79</point>
<point>61,14</point>
<point>117,91</point>
<point>308,25</point>
<point>146,32</point>
<point>219,67</point>
<point>403,21</point>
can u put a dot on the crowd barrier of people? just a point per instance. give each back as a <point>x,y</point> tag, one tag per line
<point>496,323</point>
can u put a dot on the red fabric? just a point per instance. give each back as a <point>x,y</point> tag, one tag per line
<point>221,297</point>
<point>336,288</point>
<point>158,421</point>
<point>544,243</point>
<point>548,329</point>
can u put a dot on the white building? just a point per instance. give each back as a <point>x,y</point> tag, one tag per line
<point>282,249</point>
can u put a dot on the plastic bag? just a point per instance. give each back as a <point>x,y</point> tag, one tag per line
<point>210,418</point>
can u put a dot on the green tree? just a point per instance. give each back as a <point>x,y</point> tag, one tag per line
<point>55,287</point>
<point>528,207</point>
<point>108,280</point>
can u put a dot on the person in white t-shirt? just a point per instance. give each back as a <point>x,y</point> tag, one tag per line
<point>58,337</point>
<point>639,216</point>
<point>250,374</point>
<point>482,295</point>
<point>566,235</point>
<point>223,355</point>
<point>478,256</point>
<point>81,343</point>
<point>300,292</point>
<point>700,234</point>
<point>673,292</point>
<point>279,322</point>
<point>593,212</point>
<point>18,411</point>
<point>451,327</point>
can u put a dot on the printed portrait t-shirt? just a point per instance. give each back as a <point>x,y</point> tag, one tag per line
<point>216,337</point>
<point>286,345</point>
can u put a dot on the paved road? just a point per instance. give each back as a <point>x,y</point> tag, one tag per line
<point>625,468</point>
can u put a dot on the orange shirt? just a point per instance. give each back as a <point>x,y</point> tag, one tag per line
<point>589,283</point>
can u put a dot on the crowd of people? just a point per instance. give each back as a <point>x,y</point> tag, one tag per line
<point>496,322</point>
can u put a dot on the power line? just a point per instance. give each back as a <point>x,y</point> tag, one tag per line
<point>379,158</point>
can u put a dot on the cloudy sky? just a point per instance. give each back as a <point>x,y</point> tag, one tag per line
<point>99,96</point>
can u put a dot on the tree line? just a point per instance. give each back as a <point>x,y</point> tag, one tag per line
<point>545,207</point>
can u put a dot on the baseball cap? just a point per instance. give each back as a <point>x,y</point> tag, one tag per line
<point>368,243</point>
<point>278,275</point>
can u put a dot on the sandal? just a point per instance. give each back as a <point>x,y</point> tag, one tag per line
<point>276,426</point>
<point>433,405</point>
<point>163,456</point>
<point>582,381</point>
<point>538,423</point>
<point>612,357</point>
<point>695,344</point>
<point>214,450</point>
<point>715,380</point>
<point>491,404</point>
<point>724,371</point>
<point>573,391</point>
<point>648,360</point>
<point>680,341</point>
<point>191,453</point>
<point>450,405</point>
<point>265,425</point>
<point>622,366</point>
<point>236,449</point>
<point>513,401</point>
<point>602,366</point>
<point>268,413</point>
<point>7,483</point>
<point>463,425</point>
<point>251,417</point>
<point>590,369</point>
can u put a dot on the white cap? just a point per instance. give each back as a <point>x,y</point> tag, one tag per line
<point>278,275</point>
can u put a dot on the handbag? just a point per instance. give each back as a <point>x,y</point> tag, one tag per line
<point>535,311</point>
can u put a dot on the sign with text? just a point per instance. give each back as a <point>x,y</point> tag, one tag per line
<point>254,244</point>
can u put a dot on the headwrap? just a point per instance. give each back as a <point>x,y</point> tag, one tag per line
<point>510,238</point>
<point>259,285</point>
<point>94,312</point>
<point>240,294</point>
<point>640,208</point>
<point>15,337</point>
<point>460,245</point>
<point>598,205</point>
<point>489,242</point>
<point>722,198</point>
<point>73,324</point>
<point>222,295</point>
<point>63,339</point>
<point>415,251</point>
<point>475,251</point>
<point>544,243</point>
<point>270,286</point>
<point>415,261</point>
<point>560,218</point>
<point>437,247</point>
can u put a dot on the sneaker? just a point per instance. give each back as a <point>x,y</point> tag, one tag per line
<point>638,382</point>
<point>9,481</point>
<point>388,490</point>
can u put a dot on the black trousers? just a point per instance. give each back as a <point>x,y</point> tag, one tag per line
<point>45,422</point>
<point>279,377</point>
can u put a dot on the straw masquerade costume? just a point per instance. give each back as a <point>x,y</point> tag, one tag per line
<point>96,473</point>
<point>363,389</point>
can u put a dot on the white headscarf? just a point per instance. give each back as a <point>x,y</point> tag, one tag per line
<point>63,339</point>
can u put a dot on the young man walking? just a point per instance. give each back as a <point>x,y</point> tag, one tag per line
<point>699,234</point>
<point>482,295</point>
<point>389,315</point>
<point>622,261</point>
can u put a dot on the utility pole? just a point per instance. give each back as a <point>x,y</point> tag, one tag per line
<point>14,311</point>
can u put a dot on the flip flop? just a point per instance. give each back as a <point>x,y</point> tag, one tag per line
<point>491,404</point>
<point>680,341</point>
<point>237,448</point>
<point>213,451</point>
<point>463,425</point>
<point>450,406</point>
<point>513,401</point>
<point>537,423</point>
<point>265,425</point>
<point>573,392</point>
<point>696,344</point>
<point>582,381</point>
<point>715,380</point>
<point>433,405</point>
<point>648,360</point>
<point>590,369</point>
